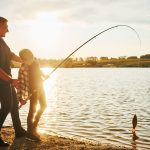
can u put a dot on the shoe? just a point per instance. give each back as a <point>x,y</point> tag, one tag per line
<point>33,137</point>
<point>3,143</point>
<point>22,133</point>
<point>36,134</point>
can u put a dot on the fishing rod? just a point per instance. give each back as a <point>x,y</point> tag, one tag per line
<point>134,120</point>
<point>91,40</point>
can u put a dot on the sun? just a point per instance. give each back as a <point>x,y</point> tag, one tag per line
<point>45,30</point>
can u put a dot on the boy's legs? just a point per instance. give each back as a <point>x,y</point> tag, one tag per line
<point>42,102</point>
<point>30,121</point>
<point>32,110</point>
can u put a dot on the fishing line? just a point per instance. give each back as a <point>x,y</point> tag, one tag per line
<point>100,33</point>
<point>134,120</point>
<point>94,38</point>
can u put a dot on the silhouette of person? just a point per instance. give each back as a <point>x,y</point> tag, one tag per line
<point>8,98</point>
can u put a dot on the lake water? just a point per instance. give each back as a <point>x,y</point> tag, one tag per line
<point>97,104</point>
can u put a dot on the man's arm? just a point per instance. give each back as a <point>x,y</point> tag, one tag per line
<point>4,76</point>
<point>16,58</point>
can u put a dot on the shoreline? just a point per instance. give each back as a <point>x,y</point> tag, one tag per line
<point>52,142</point>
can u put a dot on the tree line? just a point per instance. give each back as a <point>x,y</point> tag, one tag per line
<point>93,61</point>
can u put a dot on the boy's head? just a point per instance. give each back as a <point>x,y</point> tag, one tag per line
<point>27,56</point>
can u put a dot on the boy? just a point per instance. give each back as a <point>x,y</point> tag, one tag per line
<point>31,87</point>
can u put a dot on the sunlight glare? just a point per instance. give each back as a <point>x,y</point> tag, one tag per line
<point>45,30</point>
<point>50,88</point>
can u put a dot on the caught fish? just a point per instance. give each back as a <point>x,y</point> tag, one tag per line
<point>134,123</point>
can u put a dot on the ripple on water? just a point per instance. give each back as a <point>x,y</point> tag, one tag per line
<point>97,104</point>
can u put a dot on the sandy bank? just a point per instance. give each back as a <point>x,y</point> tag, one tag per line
<point>50,142</point>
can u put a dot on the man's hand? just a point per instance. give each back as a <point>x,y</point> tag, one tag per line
<point>4,76</point>
<point>16,58</point>
<point>15,83</point>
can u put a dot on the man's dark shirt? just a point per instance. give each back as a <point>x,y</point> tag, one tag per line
<point>5,58</point>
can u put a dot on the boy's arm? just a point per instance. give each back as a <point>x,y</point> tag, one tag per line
<point>19,90</point>
<point>41,73</point>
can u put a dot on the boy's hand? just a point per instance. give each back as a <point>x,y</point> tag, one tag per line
<point>46,77</point>
<point>15,83</point>
<point>22,102</point>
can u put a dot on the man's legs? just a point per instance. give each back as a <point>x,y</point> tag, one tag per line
<point>6,104</point>
<point>15,115</point>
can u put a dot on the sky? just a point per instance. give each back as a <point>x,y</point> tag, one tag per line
<point>55,28</point>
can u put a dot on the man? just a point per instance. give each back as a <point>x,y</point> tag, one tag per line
<point>8,99</point>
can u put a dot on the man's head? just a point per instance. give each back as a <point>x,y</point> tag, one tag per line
<point>3,26</point>
<point>27,56</point>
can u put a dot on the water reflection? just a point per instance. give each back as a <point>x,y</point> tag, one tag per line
<point>50,88</point>
<point>97,104</point>
<point>134,142</point>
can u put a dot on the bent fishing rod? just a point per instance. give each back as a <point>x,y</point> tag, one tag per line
<point>134,120</point>
<point>91,40</point>
<point>100,33</point>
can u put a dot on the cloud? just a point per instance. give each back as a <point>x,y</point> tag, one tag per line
<point>78,11</point>
<point>136,12</point>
